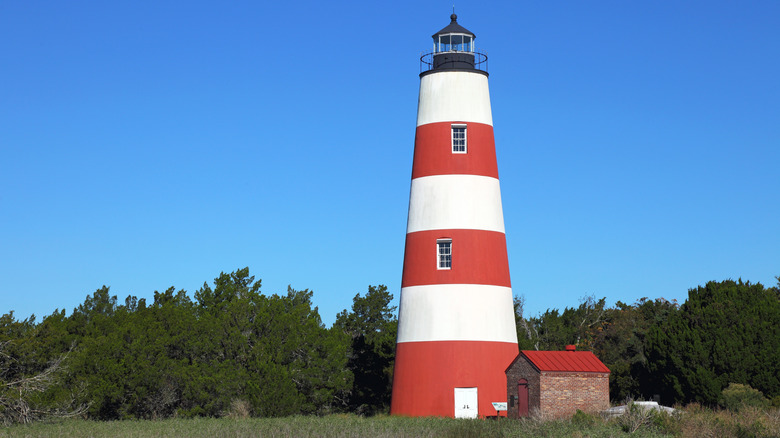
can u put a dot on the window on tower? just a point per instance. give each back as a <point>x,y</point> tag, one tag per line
<point>458,139</point>
<point>444,253</point>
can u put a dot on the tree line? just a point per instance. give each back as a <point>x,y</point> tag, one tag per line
<point>232,350</point>
<point>725,332</point>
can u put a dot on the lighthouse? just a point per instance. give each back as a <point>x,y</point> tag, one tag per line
<point>456,326</point>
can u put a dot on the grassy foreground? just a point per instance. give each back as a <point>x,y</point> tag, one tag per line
<point>693,422</point>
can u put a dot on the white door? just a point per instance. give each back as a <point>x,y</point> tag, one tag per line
<point>466,403</point>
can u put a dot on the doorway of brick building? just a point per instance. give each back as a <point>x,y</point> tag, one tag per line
<point>522,398</point>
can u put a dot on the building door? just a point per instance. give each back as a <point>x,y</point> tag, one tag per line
<point>466,403</point>
<point>522,398</point>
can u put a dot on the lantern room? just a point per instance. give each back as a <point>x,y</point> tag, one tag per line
<point>453,49</point>
<point>453,38</point>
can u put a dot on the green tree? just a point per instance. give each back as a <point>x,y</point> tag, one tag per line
<point>232,346</point>
<point>726,332</point>
<point>273,352</point>
<point>622,346</point>
<point>32,366</point>
<point>735,397</point>
<point>157,349</point>
<point>553,330</point>
<point>131,356</point>
<point>527,328</point>
<point>308,362</point>
<point>372,327</point>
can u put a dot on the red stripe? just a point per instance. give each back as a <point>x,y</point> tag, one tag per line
<point>433,151</point>
<point>427,373</point>
<point>478,257</point>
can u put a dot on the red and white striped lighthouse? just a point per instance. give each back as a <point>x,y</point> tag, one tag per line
<point>456,326</point>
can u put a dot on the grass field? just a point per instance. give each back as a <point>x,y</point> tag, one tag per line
<point>693,422</point>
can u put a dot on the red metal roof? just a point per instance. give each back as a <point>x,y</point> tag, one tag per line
<point>578,361</point>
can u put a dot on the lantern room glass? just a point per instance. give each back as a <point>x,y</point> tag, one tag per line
<point>453,42</point>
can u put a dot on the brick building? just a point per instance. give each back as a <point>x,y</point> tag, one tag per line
<point>556,383</point>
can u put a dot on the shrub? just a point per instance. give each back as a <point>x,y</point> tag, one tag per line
<point>634,418</point>
<point>736,397</point>
<point>239,409</point>
<point>667,423</point>
<point>582,419</point>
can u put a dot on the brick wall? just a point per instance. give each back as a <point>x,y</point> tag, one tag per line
<point>562,393</point>
<point>522,369</point>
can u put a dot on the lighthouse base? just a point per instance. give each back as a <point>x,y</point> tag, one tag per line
<point>427,373</point>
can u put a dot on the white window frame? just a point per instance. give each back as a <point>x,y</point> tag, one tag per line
<point>465,139</point>
<point>442,258</point>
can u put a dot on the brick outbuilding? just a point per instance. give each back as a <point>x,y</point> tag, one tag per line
<point>556,383</point>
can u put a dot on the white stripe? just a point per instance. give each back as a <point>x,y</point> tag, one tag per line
<point>456,312</point>
<point>455,202</point>
<point>454,96</point>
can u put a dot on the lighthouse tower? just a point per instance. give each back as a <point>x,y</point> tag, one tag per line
<point>456,327</point>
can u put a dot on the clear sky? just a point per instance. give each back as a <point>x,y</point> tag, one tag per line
<point>152,144</point>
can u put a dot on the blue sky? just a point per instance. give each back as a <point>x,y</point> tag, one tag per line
<point>145,145</point>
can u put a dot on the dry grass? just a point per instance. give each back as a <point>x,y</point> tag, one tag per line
<point>694,421</point>
<point>748,422</point>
